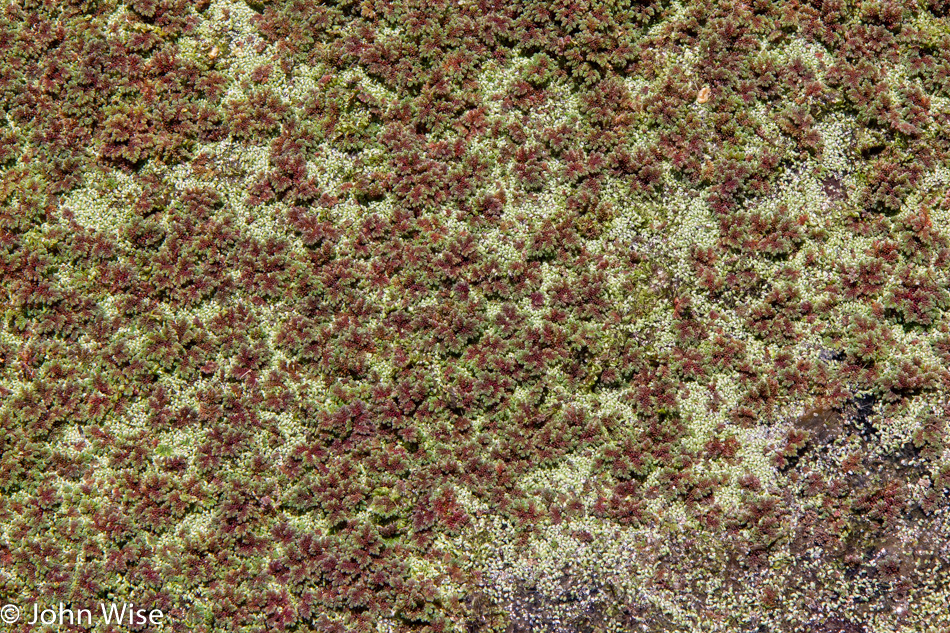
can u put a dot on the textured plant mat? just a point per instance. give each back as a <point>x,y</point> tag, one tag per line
<point>481,315</point>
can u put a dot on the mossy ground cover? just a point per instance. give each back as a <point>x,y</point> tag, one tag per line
<point>477,316</point>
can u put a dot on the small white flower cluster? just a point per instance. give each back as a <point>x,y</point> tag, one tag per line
<point>432,569</point>
<point>837,132</point>
<point>932,187</point>
<point>205,312</point>
<point>118,15</point>
<point>811,54</point>
<point>632,213</point>
<point>268,222</point>
<point>566,571</point>
<point>9,338</point>
<point>136,415</point>
<point>309,522</point>
<point>694,408</point>
<point>493,82</point>
<point>292,432</point>
<point>196,526</point>
<point>568,477</point>
<point>303,83</point>
<point>104,202</point>
<point>246,158</point>
<point>562,107</point>
<point>762,119</point>
<point>495,244</point>
<point>692,225</point>
<point>245,41</point>
<point>181,442</point>
<point>383,367</point>
<point>469,502</point>
<point>895,431</point>
<point>70,438</point>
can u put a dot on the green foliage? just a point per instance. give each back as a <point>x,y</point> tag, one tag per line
<point>462,316</point>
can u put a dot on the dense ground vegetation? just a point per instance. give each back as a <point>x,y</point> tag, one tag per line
<point>477,315</point>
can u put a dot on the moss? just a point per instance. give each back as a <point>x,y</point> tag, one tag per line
<point>458,317</point>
